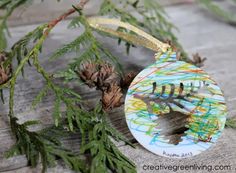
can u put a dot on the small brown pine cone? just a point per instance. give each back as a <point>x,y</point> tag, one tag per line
<point>89,73</point>
<point>107,76</point>
<point>112,97</point>
<point>198,60</point>
<point>5,72</point>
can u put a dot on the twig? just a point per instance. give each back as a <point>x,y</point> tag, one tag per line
<point>54,22</point>
<point>37,46</point>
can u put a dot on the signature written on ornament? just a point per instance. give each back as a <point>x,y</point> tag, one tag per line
<point>177,155</point>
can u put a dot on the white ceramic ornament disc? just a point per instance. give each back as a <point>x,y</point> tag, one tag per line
<point>175,109</point>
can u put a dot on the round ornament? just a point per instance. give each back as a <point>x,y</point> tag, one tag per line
<point>174,109</point>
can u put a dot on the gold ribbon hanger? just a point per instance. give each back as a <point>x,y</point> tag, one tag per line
<point>142,38</point>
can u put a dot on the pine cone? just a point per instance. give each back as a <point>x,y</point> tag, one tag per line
<point>198,60</point>
<point>89,73</point>
<point>112,97</point>
<point>106,79</point>
<point>107,76</point>
<point>5,72</point>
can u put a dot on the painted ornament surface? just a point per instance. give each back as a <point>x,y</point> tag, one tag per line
<point>175,109</point>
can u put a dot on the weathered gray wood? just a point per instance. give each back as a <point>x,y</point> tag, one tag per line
<point>199,32</point>
<point>39,11</point>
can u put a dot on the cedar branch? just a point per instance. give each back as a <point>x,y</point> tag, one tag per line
<point>54,22</point>
<point>35,49</point>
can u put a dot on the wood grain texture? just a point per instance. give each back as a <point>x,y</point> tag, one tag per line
<point>198,33</point>
<point>39,11</point>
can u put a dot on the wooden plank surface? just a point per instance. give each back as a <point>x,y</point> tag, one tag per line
<point>39,11</point>
<point>199,32</point>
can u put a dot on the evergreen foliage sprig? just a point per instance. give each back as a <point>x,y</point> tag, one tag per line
<point>217,10</point>
<point>22,47</point>
<point>153,19</point>
<point>43,145</point>
<point>63,95</point>
<point>231,123</point>
<point>35,145</point>
<point>96,132</point>
<point>9,6</point>
<point>86,43</point>
<point>106,157</point>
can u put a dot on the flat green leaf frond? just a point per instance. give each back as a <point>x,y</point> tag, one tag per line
<point>40,96</point>
<point>73,161</point>
<point>63,96</point>
<point>8,6</point>
<point>73,46</point>
<point>22,47</point>
<point>76,22</point>
<point>69,98</point>
<point>90,54</point>
<point>87,47</point>
<point>94,53</point>
<point>218,11</point>
<point>231,123</point>
<point>109,8</point>
<point>30,123</point>
<point>70,114</point>
<point>53,134</point>
<point>29,37</point>
<point>57,112</point>
<point>110,57</point>
<point>43,145</point>
<point>106,157</point>
<point>117,135</point>
<point>153,19</point>
<point>4,3</point>
<point>28,143</point>
<point>111,131</point>
<point>3,40</point>
<point>68,75</point>
<point>72,93</point>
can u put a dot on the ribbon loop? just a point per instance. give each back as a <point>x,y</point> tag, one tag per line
<point>142,38</point>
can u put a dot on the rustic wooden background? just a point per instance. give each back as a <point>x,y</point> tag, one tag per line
<point>199,32</point>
